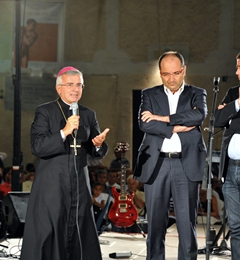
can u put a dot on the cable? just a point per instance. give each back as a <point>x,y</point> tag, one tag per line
<point>78,230</point>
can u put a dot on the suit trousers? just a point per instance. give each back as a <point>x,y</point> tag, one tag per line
<point>171,181</point>
<point>231,193</point>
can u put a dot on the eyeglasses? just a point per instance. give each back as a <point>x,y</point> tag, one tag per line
<point>71,85</point>
<point>175,73</point>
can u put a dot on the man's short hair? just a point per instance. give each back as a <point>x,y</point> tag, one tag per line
<point>173,53</point>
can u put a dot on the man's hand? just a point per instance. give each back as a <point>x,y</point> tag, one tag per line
<point>72,123</point>
<point>222,106</point>
<point>147,116</point>
<point>99,139</point>
<point>182,128</point>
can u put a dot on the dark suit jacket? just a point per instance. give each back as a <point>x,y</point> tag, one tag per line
<point>222,119</point>
<point>193,148</point>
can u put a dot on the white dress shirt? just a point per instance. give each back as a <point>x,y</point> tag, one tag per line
<point>233,148</point>
<point>173,144</point>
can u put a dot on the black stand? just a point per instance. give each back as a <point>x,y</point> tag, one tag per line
<point>17,154</point>
<point>140,229</point>
<point>208,166</point>
<point>218,250</point>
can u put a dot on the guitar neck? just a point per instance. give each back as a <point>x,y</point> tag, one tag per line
<point>122,147</point>
<point>123,179</point>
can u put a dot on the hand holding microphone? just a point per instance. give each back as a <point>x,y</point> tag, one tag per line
<point>74,107</point>
<point>72,124</point>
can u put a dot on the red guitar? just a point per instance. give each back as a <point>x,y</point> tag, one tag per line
<point>122,213</point>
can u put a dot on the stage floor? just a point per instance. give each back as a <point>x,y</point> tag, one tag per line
<point>135,244</point>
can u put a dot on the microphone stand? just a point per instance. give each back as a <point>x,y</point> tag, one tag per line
<point>17,154</point>
<point>208,165</point>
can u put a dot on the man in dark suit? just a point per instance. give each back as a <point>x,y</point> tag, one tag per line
<point>172,156</point>
<point>228,116</point>
<point>59,222</point>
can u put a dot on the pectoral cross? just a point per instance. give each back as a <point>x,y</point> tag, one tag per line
<point>75,146</point>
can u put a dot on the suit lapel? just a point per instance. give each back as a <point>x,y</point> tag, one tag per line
<point>162,100</point>
<point>184,98</point>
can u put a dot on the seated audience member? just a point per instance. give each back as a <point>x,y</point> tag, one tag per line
<point>2,157</point>
<point>30,168</point>
<point>139,196</point>
<point>217,192</point>
<point>122,177</point>
<point>102,177</point>
<point>27,184</point>
<point>30,176</point>
<point>92,175</point>
<point>23,175</point>
<point>141,186</point>
<point>118,181</point>
<point>93,171</point>
<point>129,172</point>
<point>5,187</point>
<point>202,211</point>
<point>30,172</point>
<point>99,200</point>
<point>217,187</point>
<point>112,179</point>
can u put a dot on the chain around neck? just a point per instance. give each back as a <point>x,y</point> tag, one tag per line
<point>61,109</point>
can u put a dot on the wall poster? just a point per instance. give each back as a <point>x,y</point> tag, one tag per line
<point>41,35</point>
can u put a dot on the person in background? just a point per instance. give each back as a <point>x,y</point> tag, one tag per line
<point>98,197</point>
<point>92,175</point>
<point>30,168</point>
<point>227,116</point>
<point>6,186</point>
<point>112,179</point>
<point>217,186</point>
<point>172,156</point>
<point>202,211</point>
<point>99,200</point>
<point>102,177</point>
<point>28,180</point>
<point>2,157</point>
<point>59,220</point>
<point>23,175</point>
<point>120,159</point>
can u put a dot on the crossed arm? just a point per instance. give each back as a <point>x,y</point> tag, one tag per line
<point>221,106</point>
<point>147,116</point>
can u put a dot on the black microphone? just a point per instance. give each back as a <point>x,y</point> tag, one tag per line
<point>216,81</point>
<point>74,107</point>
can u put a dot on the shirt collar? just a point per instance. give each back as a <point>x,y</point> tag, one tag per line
<point>180,90</point>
